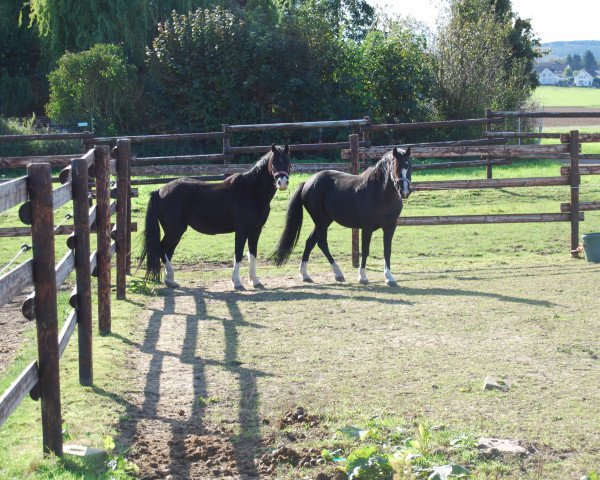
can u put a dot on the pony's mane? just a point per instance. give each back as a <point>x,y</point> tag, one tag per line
<point>253,172</point>
<point>381,169</point>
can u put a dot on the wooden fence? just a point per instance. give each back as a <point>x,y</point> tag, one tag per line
<point>568,150</point>
<point>40,379</point>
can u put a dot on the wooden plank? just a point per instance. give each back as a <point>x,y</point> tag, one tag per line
<point>583,170</point>
<point>296,126</point>
<point>184,170</point>
<point>298,147</point>
<point>17,391</point>
<point>483,219</point>
<point>66,332</point>
<point>60,196</point>
<point>491,183</point>
<point>583,207</point>
<point>460,164</point>
<point>21,162</point>
<point>45,136</point>
<point>497,151</point>
<point>216,157</point>
<point>165,137</point>
<point>521,135</point>
<point>12,193</point>
<point>432,125</point>
<point>42,236</point>
<point>162,180</point>
<point>583,137</point>
<point>62,270</point>
<point>546,114</point>
<point>12,283</point>
<point>59,230</point>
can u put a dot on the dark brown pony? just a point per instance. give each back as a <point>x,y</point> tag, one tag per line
<point>240,204</point>
<point>369,201</point>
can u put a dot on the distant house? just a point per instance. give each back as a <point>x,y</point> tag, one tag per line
<point>582,79</point>
<point>547,77</point>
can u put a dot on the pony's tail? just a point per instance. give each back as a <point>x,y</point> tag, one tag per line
<point>291,232</point>
<point>151,240</point>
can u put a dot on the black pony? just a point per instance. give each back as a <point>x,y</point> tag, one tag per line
<point>240,204</point>
<point>368,201</point>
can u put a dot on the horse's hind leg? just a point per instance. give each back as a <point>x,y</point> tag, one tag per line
<point>252,249</point>
<point>322,242</point>
<point>388,235</point>
<point>311,241</point>
<point>366,244</point>
<point>167,248</point>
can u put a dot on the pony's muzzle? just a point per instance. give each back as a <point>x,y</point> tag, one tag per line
<point>282,182</point>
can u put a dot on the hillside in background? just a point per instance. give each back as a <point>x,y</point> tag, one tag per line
<point>562,49</point>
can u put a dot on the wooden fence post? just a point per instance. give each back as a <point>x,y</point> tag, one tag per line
<point>226,141</point>
<point>39,184</point>
<point>575,180</point>
<point>128,229</point>
<point>488,127</point>
<point>354,159</point>
<point>123,150</point>
<point>101,160</point>
<point>79,175</point>
<point>366,130</point>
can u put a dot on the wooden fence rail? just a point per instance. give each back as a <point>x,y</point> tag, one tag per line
<point>41,379</point>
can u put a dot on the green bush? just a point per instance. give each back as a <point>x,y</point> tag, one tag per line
<point>98,82</point>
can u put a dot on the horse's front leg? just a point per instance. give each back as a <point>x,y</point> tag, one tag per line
<point>240,240</point>
<point>388,235</point>
<point>252,250</point>
<point>366,245</point>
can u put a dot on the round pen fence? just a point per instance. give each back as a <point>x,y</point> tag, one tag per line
<point>87,178</point>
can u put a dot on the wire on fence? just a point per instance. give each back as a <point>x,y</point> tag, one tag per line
<point>23,249</point>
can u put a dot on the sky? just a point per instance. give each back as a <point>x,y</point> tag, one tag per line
<point>552,20</point>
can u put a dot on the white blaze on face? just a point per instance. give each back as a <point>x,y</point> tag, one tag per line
<point>282,183</point>
<point>405,189</point>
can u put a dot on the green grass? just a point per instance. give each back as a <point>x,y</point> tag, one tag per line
<point>89,413</point>
<point>548,96</point>
<point>433,257</point>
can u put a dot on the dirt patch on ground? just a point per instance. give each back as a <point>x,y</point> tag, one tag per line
<point>220,374</point>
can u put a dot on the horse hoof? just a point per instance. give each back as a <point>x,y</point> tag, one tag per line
<point>392,284</point>
<point>308,280</point>
<point>171,284</point>
<point>363,282</point>
<point>340,278</point>
<point>239,287</point>
<point>259,286</point>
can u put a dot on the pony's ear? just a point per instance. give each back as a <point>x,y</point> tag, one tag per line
<point>286,149</point>
<point>396,153</point>
<point>273,148</point>
<point>407,152</point>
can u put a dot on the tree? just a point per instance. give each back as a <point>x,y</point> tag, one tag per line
<point>577,62</point>
<point>589,63</point>
<point>475,63</point>
<point>21,82</point>
<point>61,26</point>
<point>97,82</point>
<point>396,74</point>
